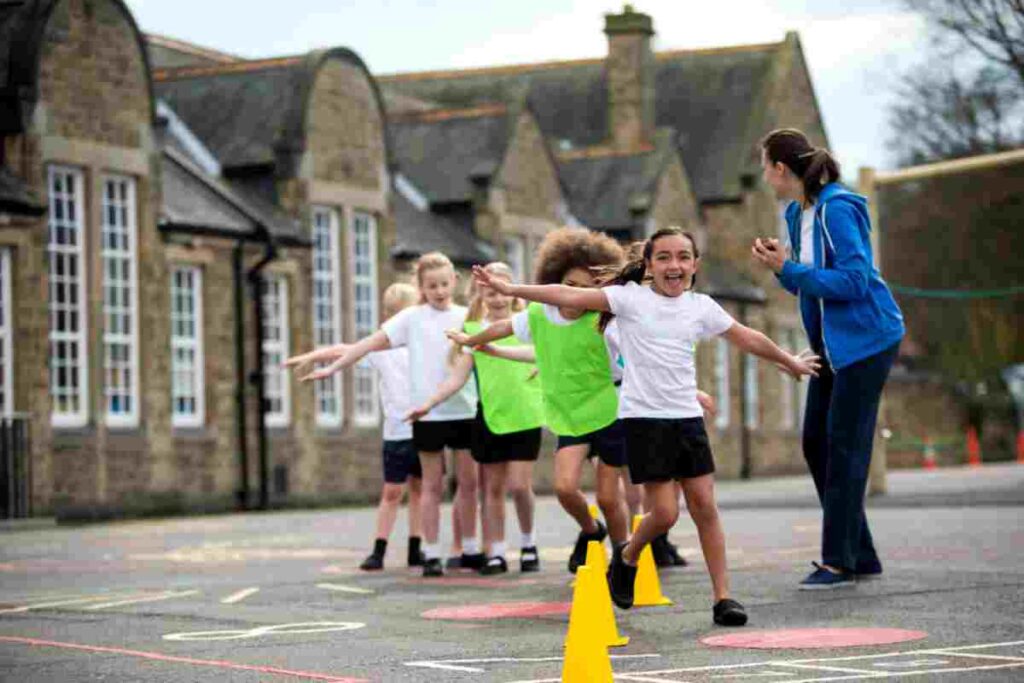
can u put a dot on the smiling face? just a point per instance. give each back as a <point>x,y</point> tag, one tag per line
<point>437,285</point>
<point>672,264</point>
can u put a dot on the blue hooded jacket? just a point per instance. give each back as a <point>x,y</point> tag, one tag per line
<point>843,300</point>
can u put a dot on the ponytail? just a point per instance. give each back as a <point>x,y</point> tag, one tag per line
<point>815,166</point>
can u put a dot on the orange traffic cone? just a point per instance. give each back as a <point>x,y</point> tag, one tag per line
<point>647,586</point>
<point>973,447</point>
<point>929,454</point>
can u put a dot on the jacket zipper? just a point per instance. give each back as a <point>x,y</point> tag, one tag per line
<point>821,300</point>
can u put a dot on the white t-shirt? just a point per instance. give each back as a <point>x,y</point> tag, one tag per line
<point>421,329</point>
<point>521,327</point>
<point>392,368</point>
<point>807,237</point>
<point>659,336</point>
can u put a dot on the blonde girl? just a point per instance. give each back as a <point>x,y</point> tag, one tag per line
<point>421,329</point>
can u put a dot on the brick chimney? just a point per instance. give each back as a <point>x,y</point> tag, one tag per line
<point>630,72</point>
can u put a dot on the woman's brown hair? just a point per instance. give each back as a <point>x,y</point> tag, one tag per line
<point>636,269</point>
<point>814,166</point>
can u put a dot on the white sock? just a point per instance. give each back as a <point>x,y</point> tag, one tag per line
<point>432,551</point>
<point>528,540</point>
<point>470,546</point>
<point>498,549</point>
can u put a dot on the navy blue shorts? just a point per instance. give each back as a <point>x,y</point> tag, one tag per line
<point>666,449</point>
<point>607,443</point>
<point>401,461</point>
<point>432,437</point>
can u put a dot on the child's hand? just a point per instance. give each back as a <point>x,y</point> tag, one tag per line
<point>484,279</point>
<point>707,403</point>
<point>457,337</point>
<point>416,413</point>
<point>804,363</point>
<point>533,374</point>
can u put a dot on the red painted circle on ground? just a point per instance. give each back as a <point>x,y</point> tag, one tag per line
<point>501,610</point>
<point>810,638</point>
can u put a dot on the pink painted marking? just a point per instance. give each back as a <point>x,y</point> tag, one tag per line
<point>812,638</point>
<point>182,660</point>
<point>505,610</point>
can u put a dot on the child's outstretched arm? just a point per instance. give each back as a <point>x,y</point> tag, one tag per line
<point>324,353</point>
<point>461,369</point>
<point>378,341</point>
<point>556,295</point>
<point>522,354</point>
<point>755,342</point>
<point>494,332</point>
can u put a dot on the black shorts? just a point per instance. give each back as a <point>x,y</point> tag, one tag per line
<point>490,448</point>
<point>667,449</point>
<point>401,461</point>
<point>432,437</point>
<point>607,443</point>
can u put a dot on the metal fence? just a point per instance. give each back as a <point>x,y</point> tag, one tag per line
<point>15,467</point>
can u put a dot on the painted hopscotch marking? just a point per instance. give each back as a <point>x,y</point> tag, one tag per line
<point>172,659</point>
<point>345,589</point>
<point>97,602</point>
<point>299,628</point>
<point>238,596</point>
<point>460,664</point>
<point>927,662</point>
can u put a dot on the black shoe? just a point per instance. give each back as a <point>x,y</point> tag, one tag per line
<point>432,567</point>
<point>729,613</point>
<point>660,551</point>
<point>373,563</point>
<point>579,551</point>
<point>529,560</point>
<point>416,560</point>
<point>621,578</point>
<point>495,565</point>
<point>475,561</point>
<point>453,562</point>
<point>672,556</point>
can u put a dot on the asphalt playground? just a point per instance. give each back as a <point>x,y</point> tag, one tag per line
<point>277,597</point>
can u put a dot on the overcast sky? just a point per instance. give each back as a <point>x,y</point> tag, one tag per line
<point>854,54</point>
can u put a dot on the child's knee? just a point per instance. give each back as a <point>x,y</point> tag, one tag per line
<point>609,502</point>
<point>665,514</point>
<point>392,494</point>
<point>702,508</point>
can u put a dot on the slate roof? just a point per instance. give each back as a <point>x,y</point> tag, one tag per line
<point>451,233</point>
<point>722,280</point>
<point>442,151</point>
<point>614,192</point>
<point>709,96</point>
<point>17,197</point>
<point>250,113</point>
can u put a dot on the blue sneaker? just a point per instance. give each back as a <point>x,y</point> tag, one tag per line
<point>823,579</point>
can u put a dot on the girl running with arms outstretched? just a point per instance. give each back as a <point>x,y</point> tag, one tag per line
<point>659,326</point>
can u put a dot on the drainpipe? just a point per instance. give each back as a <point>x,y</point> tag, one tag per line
<point>242,493</point>
<point>745,459</point>
<point>255,282</point>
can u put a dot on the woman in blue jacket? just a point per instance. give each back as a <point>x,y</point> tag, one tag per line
<point>852,322</point>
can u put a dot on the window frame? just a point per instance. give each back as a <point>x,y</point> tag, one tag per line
<point>332,327</point>
<point>366,408</point>
<point>751,392</point>
<point>6,334</point>
<point>195,343</point>
<point>280,346</point>
<point>80,337</point>
<point>722,369</point>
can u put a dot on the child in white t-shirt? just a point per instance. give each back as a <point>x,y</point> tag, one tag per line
<point>421,329</point>
<point>659,326</point>
<point>399,458</point>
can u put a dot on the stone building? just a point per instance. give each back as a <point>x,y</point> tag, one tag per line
<point>175,220</point>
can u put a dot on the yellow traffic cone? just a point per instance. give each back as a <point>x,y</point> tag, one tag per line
<point>602,597</point>
<point>647,587</point>
<point>600,548</point>
<point>586,655</point>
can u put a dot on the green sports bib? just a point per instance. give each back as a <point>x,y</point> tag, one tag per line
<point>510,397</point>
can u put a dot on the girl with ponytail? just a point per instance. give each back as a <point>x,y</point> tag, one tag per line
<point>659,323</point>
<point>852,320</point>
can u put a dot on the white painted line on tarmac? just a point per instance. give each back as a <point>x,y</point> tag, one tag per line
<point>345,589</point>
<point>820,667</point>
<point>996,657</point>
<point>458,664</point>
<point>239,595</point>
<point>134,601</point>
<point>61,603</point>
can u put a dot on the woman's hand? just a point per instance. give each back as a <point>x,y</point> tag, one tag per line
<point>769,253</point>
<point>498,284</point>
<point>804,363</point>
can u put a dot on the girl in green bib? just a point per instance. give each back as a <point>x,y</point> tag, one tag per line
<point>507,429</point>
<point>577,378</point>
